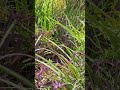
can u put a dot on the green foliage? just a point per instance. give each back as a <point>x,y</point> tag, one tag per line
<point>109,30</point>
<point>15,33</point>
<point>103,29</point>
<point>60,44</point>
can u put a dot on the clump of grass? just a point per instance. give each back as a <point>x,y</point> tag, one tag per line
<point>60,48</point>
<point>103,39</point>
<point>15,35</point>
<point>68,70</point>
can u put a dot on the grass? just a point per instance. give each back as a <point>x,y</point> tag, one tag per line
<point>16,57</point>
<point>60,45</point>
<point>102,36</point>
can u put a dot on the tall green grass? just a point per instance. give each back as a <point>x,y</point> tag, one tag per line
<point>103,26</point>
<point>68,70</point>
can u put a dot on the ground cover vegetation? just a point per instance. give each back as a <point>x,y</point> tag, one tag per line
<point>16,44</point>
<point>102,44</point>
<point>60,44</point>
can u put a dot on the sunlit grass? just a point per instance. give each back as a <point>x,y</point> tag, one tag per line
<point>59,60</point>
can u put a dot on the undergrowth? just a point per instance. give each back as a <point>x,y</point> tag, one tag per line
<point>60,45</point>
<point>102,44</point>
<point>16,44</point>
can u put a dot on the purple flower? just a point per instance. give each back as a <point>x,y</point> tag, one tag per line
<point>56,85</point>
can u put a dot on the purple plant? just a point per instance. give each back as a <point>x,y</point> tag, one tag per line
<point>56,85</point>
<point>42,69</point>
